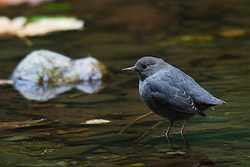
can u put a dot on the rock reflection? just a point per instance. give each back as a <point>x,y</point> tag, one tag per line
<point>33,91</point>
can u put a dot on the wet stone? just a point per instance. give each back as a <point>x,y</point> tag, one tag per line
<point>11,159</point>
<point>74,163</point>
<point>16,138</point>
<point>70,152</point>
<point>108,139</point>
<point>120,150</point>
<point>100,151</point>
<point>47,164</point>
<point>114,158</point>
<point>43,74</point>
<point>163,150</point>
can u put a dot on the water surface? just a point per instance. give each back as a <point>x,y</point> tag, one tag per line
<point>186,34</point>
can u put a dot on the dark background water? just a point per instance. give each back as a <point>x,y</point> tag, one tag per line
<point>196,36</point>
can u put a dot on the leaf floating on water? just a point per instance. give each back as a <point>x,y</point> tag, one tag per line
<point>38,25</point>
<point>6,82</point>
<point>11,27</point>
<point>48,24</point>
<point>233,32</point>
<point>196,38</point>
<point>96,121</point>
<point>60,105</point>
<point>186,39</point>
<point>46,150</point>
<point>138,164</point>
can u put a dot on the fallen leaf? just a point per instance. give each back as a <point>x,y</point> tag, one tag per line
<point>96,121</point>
<point>138,164</point>
<point>60,105</point>
<point>47,25</point>
<point>233,32</point>
<point>11,27</point>
<point>196,38</point>
<point>38,25</point>
<point>186,39</point>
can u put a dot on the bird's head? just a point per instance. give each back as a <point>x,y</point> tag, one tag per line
<point>147,66</point>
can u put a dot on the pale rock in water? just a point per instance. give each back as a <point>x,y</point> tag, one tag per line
<point>47,66</point>
<point>43,74</point>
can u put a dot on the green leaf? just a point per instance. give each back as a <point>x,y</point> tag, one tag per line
<point>39,18</point>
<point>57,7</point>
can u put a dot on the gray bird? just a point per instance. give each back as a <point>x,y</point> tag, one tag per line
<point>171,93</point>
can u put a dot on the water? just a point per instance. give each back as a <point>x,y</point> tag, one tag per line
<point>186,34</point>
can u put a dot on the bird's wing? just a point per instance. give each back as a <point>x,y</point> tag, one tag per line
<point>167,95</point>
<point>198,93</point>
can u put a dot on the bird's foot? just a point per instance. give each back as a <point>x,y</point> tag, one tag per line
<point>168,135</point>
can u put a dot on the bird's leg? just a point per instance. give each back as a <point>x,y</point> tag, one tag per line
<point>183,126</point>
<point>169,128</point>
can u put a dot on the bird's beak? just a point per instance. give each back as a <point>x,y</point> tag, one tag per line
<point>129,69</point>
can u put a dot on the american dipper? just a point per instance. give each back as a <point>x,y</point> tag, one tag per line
<point>171,93</point>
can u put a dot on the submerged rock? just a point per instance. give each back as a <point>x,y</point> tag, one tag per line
<point>16,138</point>
<point>44,74</point>
<point>70,152</point>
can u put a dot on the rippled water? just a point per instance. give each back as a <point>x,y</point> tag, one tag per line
<point>52,133</point>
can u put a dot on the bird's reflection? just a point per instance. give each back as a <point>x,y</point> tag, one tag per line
<point>181,156</point>
<point>32,91</point>
<point>184,139</point>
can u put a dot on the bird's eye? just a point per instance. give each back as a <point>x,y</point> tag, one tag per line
<point>144,66</point>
